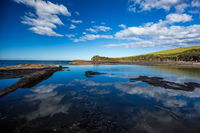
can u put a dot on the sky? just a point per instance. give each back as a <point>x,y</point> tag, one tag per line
<point>80,29</point>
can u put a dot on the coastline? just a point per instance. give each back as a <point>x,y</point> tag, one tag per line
<point>169,63</point>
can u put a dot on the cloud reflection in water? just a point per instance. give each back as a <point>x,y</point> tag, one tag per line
<point>49,101</point>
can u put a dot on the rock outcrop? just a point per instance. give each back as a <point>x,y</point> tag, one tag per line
<point>30,75</point>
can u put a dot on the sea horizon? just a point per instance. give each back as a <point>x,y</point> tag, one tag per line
<point>4,63</point>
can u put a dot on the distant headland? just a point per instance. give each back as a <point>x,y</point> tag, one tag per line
<point>186,56</point>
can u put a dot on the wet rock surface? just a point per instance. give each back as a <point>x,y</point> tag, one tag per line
<point>19,71</point>
<point>91,73</point>
<point>30,75</point>
<point>160,82</point>
<point>29,81</point>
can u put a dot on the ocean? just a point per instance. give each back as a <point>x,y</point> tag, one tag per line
<point>44,62</point>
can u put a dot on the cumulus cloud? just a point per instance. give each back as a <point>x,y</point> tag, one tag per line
<point>146,5</point>
<point>70,35</point>
<point>92,37</point>
<point>102,28</point>
<point>174,18</point>
<point>132,44</point>
<point>161,33</point>
<point>194,11</point>
<point>181,7</point>
<point>45,17</point>
<point>96,29</point>
<point>196,3</point>
<point>122,26</point>
<point>91,30</point>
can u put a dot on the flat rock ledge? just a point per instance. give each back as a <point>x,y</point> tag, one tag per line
<point>30,75</point>
<point>19,71</point>
<point>29,66</point>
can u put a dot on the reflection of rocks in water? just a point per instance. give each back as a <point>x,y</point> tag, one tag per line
<point>49,101</point>
<point>91,73</point>
<point>168,97</point>
<point>160,82</point>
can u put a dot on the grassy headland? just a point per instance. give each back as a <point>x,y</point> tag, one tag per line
<point>178,56</point>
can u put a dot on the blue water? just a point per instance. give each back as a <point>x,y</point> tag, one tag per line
<point>70,102</point>
<point>44,62</point>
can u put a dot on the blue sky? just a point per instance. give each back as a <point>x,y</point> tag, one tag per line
<point>79,29</point>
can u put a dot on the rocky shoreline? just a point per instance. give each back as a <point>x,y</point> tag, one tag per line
<point>171,63</point>
<point>29,74</point>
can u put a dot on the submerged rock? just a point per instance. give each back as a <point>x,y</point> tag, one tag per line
<point>160,82</point>
<point>91,73</point>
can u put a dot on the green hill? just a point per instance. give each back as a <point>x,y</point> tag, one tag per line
<point>178,54</point>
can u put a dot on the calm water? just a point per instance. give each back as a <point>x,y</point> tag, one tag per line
<point>17,62</point>
<point>69,102</point>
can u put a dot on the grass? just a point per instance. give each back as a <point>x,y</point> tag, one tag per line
<point>178,54</point>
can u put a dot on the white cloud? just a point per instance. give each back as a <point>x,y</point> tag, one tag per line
<point>72,26</point>
<point>70,35</point>
<point>91,30</point>
<point>146,5</point>
<point>194,11</point>
<point>45,18</point>
<point>132,44</point>
<point>196,3</point>
<point>96,29</point>
<point>174,18</point>
<point>122,26</point>
<point>160,34</point>
<point>102,28</point>
<point>163,36</point>
<point>181,7</point>
<point>77,21</point>
<point>92,37</point>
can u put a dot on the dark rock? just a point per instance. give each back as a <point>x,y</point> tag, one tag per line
<point>91,73</point>
<point>19,71</point>
<point>160,82</point>
<point>30,80</point>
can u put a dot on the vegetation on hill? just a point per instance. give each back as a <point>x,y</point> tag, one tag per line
<point>178,54</point>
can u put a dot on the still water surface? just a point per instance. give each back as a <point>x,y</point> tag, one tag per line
<point>69,102</point>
